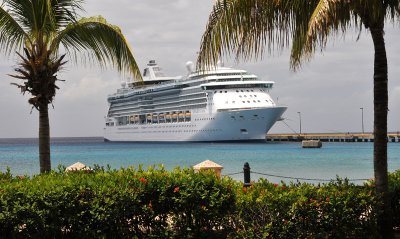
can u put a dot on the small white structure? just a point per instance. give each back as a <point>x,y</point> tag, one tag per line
<point>311,144</point>
<point>209,165</point>
<point>77,167</point>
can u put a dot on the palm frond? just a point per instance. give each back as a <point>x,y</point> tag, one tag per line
<point>65,11</point>
<point>23,13</point>
<point>213,40</point>
<point>101,41</point>
<point>240,27</point>
<point>12,36</point>
<point>43,17</point>
<point>329,17</point>
<point>250,27</point>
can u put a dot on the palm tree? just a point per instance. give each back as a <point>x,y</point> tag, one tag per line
<point>247,28</point>
<point>43,29</point>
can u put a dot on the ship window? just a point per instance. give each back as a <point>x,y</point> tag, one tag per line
<point>226,91</point>
<point>245,95</point>
<point>252,91</point>
<point>158,72</point>
<point>146,71</point>
<point>255,95</point>
<point>244,101</point>
<point>248,101</point>
<point>220,91</point>
<point>233,102</point>
<point>240,96</point>
<point>241,90</point>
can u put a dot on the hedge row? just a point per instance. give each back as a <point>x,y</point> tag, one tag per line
<point>155,203</point>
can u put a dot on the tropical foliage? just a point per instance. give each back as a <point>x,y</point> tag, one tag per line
<point>248,28</point>
<point>128,203</point>
<point>43,32</point>
<point>155,203</point>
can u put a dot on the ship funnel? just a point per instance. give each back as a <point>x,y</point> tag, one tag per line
<point>190,66</point>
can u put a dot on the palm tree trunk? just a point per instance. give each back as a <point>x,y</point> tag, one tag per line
<point>380,129</point>
<point>44,138</point>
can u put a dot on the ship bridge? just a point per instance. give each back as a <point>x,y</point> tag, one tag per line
<point>153,74</point>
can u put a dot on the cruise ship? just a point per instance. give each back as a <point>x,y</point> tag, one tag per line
<point>219,104</point>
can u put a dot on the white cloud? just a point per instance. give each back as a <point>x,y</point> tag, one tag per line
<point>86,89</point>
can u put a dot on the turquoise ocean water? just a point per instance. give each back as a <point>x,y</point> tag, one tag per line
<point>351,160</point>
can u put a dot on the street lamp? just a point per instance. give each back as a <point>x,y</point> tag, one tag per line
<point>362,119</point>
<point>300,120</point>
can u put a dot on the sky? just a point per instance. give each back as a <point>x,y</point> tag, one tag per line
<point>328,91</point>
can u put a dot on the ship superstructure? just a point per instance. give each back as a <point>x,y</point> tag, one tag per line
<point>221,104</point>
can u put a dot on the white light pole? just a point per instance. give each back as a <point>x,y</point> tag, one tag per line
<point>300,120</point>
<point>362,119</point>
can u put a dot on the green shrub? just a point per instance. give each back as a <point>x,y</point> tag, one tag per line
<point>6,176</point>
<point>334,210</point>
<point>124,203</point>
<point>155,203</point>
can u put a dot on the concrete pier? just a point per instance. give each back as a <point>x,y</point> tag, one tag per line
<point>331,137</point>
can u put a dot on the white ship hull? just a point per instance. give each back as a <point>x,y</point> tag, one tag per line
<point>222,104</point>
<point>241,125</point>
